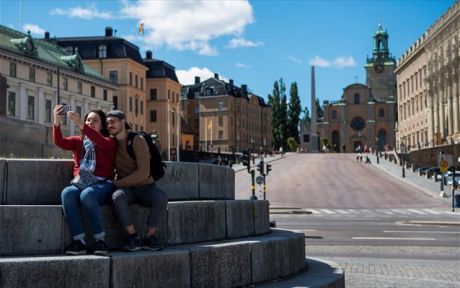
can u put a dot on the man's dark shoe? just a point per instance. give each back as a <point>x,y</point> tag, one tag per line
<point>152,243</point>
<point>76,248</point>
<point>132,244</point>
<point>100,247</point>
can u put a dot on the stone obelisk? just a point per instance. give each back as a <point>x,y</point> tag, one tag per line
<point>313,127</point>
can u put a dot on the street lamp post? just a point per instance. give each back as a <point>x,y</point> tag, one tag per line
<point>403,158</point>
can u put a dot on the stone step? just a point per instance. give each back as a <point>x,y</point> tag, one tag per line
<point>230,263</point>
<point>42,229</point>
<point>47,177</point>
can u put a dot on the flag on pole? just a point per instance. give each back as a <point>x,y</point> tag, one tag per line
<point>141,28</point>
<point>210,124</point>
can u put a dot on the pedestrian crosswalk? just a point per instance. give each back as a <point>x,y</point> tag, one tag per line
<point>394,212</point>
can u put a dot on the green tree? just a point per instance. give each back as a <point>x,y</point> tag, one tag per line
<point>274,102</point>
<point>283,115</point>
<point>294,113</point>
<point>292,144</point>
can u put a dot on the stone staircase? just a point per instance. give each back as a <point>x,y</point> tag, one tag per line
<point>212,239</point>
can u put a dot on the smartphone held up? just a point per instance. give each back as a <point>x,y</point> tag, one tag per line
<point>65,109</point>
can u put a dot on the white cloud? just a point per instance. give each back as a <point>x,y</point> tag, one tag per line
<point>189,25</point>
<point>295,60</point>
<point>90,12</point>
<point>242,65</point>
<point>187,77</point>
<point>34,29</point>
<point>242,42</point>
<point>338,62</point>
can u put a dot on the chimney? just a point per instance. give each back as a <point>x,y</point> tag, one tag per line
<point>197,80</point>
<point>216,75</point>
<point>148,54</point>
<point>231,82</point>
<point>244,87</point>
<point>108,31</point>
<point>47,35</point>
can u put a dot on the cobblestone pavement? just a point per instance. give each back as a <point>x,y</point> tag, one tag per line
<point>398,268</point>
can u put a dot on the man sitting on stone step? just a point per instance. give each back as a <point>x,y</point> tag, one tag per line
<point>134,184</point>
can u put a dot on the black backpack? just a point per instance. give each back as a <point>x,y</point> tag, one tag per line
<point>157,166</point>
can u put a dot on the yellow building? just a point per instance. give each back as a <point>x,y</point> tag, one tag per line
<point>226,118</point>
<point>119,61</point>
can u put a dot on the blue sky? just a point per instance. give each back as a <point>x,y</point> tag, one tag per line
<point>251,42</point>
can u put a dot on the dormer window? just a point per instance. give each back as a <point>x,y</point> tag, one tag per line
<point>102,51</point>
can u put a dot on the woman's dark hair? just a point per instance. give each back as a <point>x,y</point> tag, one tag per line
<point>101,114</point>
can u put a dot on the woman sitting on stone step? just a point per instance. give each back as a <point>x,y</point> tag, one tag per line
<point>93,157</point>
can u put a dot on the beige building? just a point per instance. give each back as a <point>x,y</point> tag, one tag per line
<point>119,61</point>
<point>163,106</point>
<point>39,75</point>
<point>226,118</point>
<point>365,114</point>
<point>428,86</point>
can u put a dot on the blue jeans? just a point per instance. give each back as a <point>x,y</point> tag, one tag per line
<point>90,200</point>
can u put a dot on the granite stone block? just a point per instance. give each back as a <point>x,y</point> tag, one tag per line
<point>212,181</point>
<point>55,271</point>
<point>261,217</point>
<point>180,181</point>
<point>30,230</point>
<point>196,221</point>
<point>166,268</point>
<point>221,265</point>
<point>240,218</point>
<point>45,181</point>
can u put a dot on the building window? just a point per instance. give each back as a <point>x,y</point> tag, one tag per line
<point>142,128</point>
<point>32,74</point>
<point>135,81</point>
<point>105,95</point>
<point>142,107</point>
<point>65,83</point>
<point>356,99</point>
<point>11,103</point>
<point>381,112</point>
<point>221,121</point>
<point>221,135</point>
<point>153,94</point>
<point>136,106</point>
<point>78,110</point>
<point>80,87</point>
<point>102,51</point>
<point>49,79</point>
<point>221,106</point>
<point>142,83</point>
<point>130,103</point>
<point>173,118</point>
<point>153,116</point>
<point>12,69</point>
<point>31,107</point>
<point>115,102</point>
<point>135,128</point>
<point>93,91</point>
<point>130,78</point>
<point>48,110</point>
<point>113,76</point>
<point>334,114</point>
<point>169,94</point>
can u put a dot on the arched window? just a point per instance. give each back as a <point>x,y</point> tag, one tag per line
<point>381,112</point>
<point>382,136</point>
<point>334,114</point>
<point>356,99</point>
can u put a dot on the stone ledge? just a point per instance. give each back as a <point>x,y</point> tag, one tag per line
<point>182,181</point>
<point>223,264</point>
<point>43,230</point>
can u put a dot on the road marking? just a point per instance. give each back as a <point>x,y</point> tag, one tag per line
<point>385,212</point>
<point>342,211</point>
<point>416,211</point>
<point>408,231</point>
<point>326,211</point>
<point>314,211</point>
<point>393,238</point>
<point>401,211</point>
<point>431,211</point>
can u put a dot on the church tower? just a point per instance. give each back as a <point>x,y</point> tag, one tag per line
<point>380,76</point>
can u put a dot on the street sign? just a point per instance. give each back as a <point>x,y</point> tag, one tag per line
<point>444,166</point>
<point>260,179</point>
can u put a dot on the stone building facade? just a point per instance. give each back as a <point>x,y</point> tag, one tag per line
<point>365,115</point>
<point>163,106</point>
<point>429,86</point>
<point>40,75</point>
<point>226,118</point>
<point>119,61</point>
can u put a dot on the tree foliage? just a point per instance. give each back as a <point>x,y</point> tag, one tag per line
<point>294,113</point>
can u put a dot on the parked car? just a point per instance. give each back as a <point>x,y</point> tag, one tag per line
<point>447,174</point>
<point>450,178</point>
<point>432,171</point>
<point>421,170</point>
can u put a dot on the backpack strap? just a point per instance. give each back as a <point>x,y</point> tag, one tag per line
<point>129,144</point>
